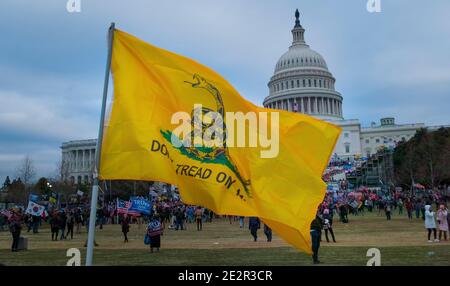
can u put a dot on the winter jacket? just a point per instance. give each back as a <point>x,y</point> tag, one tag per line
<point>429,218</point>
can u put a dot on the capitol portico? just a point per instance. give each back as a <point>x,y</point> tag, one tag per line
<point>78,158</point>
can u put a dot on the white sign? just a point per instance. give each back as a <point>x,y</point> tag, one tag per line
<point>374,6</point>
<point>73,6</point>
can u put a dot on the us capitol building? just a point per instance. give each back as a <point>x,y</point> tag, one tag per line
<point>301,83</point>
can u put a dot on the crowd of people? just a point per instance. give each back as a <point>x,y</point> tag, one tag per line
<point>173,214</point>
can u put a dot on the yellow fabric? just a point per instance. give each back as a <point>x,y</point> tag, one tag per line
<point>151,84</point>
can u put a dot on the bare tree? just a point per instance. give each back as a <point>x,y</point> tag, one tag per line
<point>26,170</point>
<point>62,171</point>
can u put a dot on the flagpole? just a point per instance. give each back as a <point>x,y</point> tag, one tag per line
<point>94,195</point>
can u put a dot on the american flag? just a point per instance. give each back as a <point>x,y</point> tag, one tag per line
<point>123,208</point>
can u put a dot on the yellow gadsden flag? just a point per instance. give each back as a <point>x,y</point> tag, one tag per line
<point>280,182</point>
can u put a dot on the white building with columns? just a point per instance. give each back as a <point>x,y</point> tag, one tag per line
<point>78,159</point>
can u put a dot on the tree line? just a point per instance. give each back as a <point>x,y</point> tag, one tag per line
<point>17,190</point>
<point>424,159</point>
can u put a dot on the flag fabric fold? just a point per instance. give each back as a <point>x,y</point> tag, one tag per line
<point>139,142</point>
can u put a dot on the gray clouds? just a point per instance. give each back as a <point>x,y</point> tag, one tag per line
<point>394,63</point>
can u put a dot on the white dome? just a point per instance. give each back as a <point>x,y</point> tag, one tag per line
<point>302,81</point>
<point>298,57</point>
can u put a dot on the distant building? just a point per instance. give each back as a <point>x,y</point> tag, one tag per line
<point>78,159</point>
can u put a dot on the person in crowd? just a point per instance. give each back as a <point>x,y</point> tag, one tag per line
<point>2,222</point>
<point>154,231</point>
<point>388,210</point>
<point>70,224</point>
<point>442,220</point>
<point>78,220</point>
<point>62,222</point>
<point>380,206</point>
<point>430,223</point>
<point>35,221</point>
<point>268,232</point>
<point>199,218</point>
<point>27,221</point>
<point>125,227</point>
<point>316,234</point>
<point>15,227</point>
<point>100,218</point>
<point>190,214</point>
<point>418,208</point>
<point>400,206</point>
<point>409,208</point>
<point>211,215</point>
<point>448,221</point>
<point>179,219</point>
<point>423,210</point>
<point>254,224</point>
<point>241,222</point>
<point>343,213</point>
<point>370,204</point>
<point>54,226</point>
<point>328,224</point>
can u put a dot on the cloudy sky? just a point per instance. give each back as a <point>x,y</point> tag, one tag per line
<point>393,63</point>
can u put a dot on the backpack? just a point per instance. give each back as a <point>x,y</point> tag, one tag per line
<point>147,239</point>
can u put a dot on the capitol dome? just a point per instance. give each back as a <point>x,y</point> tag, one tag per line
<point>298,57</point>
<point>302,82</point>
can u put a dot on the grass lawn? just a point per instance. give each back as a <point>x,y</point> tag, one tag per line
<point>401,242</point>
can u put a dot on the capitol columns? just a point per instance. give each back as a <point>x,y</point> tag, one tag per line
<point>83,161</point>
<point>76,160</point>
<point>317,105</point>
<point>322,105</point>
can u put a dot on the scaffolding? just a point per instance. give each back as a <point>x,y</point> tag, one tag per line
<point>378,171</point>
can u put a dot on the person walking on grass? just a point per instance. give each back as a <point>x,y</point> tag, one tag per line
<point>54,226</point>
<point>316,234</point>
<point>198,218</point>
<point>179,219</point>
<point>268,232</point>
<point>241,222</point>
<point>328,224</point>
<point>442,221</point>
<point>430,223</point>
<point>409,208</point>
<point>254,224</point>
<point>78,220</point>
<point>70,224</point>
<point>418,208</point>
<point>400,206</point>
<point>62,222</point>
<point>388,210</point>
<point>154,231</point>
<point>15,227</point>
<point>125,228</point>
